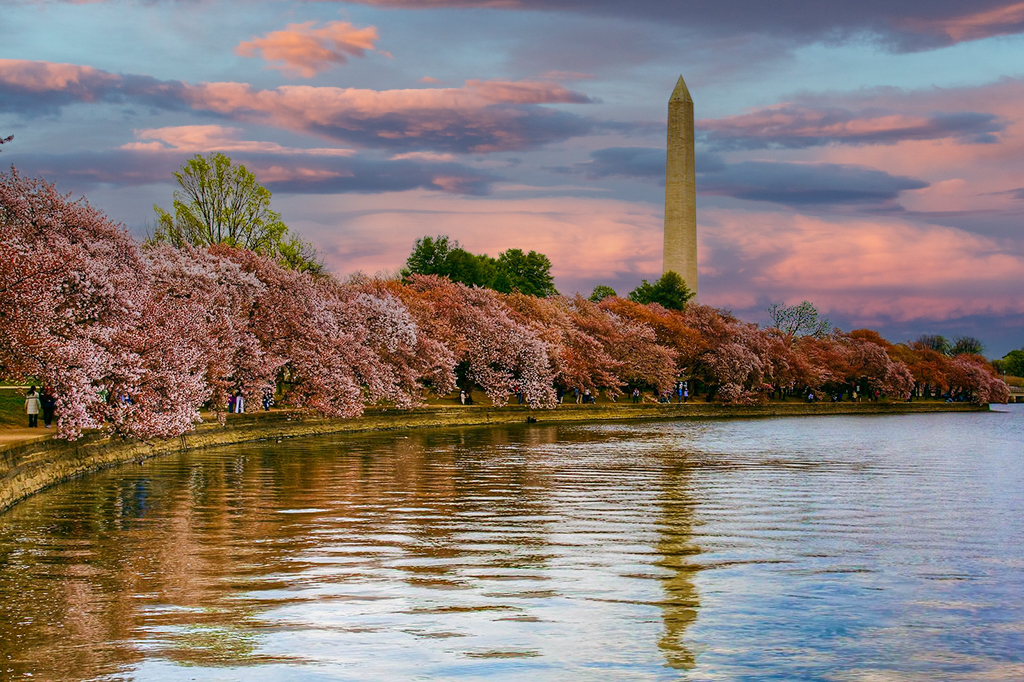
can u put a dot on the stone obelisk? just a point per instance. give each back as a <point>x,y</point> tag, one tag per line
<point>681,190</point>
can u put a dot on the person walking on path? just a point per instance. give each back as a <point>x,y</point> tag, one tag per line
<point>49,404</point>
<point>239,403</point>
<point>636,396</point>
<point>32,405</point>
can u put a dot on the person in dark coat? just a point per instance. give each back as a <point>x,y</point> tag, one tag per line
<point>49,403</point>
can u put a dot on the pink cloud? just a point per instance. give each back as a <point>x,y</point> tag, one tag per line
<point>214,138</point>
<point>481,116</point>
<point>898,131</point>
<point>525,92</point>
<point>423,156</point>
<point>43,76</point>
<point>865,268</point>
<point>459,118</point>
<point>978,169</point>
<point>994,22</point>
<point>83,83</point>
<point>585,238</point>
<point>792,125</point>
<point>279,173</point>
<point>302,49</point>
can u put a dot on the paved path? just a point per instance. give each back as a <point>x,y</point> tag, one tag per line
<point>24,433</point>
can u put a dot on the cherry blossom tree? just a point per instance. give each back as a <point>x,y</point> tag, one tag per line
<point>579,360</point>
<point>629,340</point>
<point>70,280</point>
<point>973,377</point>
<point>78,315</point>
<point>498,354</point>
<point>234,358</point>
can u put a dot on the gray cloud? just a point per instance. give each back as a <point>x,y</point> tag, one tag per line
<point>791,184</point>
<point>796,184</point>
<point>907,25</point>
<point>634,162</point>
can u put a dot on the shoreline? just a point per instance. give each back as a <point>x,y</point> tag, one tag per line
<point>30,466</point>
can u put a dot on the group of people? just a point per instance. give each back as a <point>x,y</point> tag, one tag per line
<point>40,402</point>
<point>584,397</point>
<point>682,392</point>
<point>236,401</point>
<point>44,402</point>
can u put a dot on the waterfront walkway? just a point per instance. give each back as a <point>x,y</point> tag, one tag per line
<point>10,435</point>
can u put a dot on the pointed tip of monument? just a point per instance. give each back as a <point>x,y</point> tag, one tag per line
<point>681,93</point>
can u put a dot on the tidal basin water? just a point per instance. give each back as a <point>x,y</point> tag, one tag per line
<point>870,548</point>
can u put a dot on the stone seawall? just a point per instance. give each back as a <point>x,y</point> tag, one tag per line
<point>30,466</point>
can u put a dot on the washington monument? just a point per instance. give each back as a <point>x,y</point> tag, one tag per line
<point>680,190</point>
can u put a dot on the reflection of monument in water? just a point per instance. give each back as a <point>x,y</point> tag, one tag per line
<point>680,189</point>
<point>677,547</point>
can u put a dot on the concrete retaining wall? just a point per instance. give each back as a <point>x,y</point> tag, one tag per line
<point>30,466</point>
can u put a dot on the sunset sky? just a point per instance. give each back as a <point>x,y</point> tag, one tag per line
<point>866,156</point>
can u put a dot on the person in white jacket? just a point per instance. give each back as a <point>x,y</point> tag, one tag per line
<point>32,407</point>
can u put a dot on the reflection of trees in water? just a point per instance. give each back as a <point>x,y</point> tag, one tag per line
<point>90,564</point>
<point>88,568</point>
<point>676,546</point>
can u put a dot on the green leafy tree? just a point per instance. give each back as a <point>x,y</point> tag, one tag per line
<point>472,269</point>
<point>298,254</point>
<point>430,256</point>
<point>222,203</point>
<point>444,257</point>
<point>513,270</point>
<point>966,345</point>
<point>798,320</point>
<point>527,273</point>
<point>1013,363</point>
<point>602,292</point>
<point>670,292</point>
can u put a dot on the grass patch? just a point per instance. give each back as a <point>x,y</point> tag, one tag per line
<point>12,409</point>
